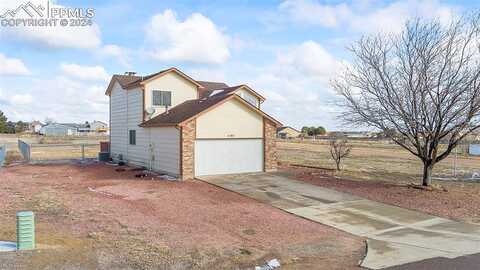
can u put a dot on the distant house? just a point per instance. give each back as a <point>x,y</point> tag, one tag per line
<point>98,127</point>
<point>81,128</point>
<point>58,129</point>
<point>351,134</point>
<point>34,127</point>
<point>288,132</point>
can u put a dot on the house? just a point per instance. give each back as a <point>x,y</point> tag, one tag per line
<point>34,127</point>
<point>59,129</point>
<point>82,129</point>
<point>288,132</point>
<point>173,124</point>
<point>98,127</point>
<point>351,134</point>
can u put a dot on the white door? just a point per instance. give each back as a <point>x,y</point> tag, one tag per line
<point>228,156</point>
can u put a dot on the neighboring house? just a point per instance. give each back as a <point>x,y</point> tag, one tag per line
<point>99,127</point>
<point>288,132</point>
<point>174,124</point>
<point>34,127</point>
<point>59,129</point>
<point>82,129</point>
<point>351,134</point>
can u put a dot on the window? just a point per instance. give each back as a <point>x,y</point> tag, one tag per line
<point>161,98</point>
<point>249,98</point>
<point>133,137</point>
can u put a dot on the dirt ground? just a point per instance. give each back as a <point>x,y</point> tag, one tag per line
<point>94,217</point>
<point>381,171</point>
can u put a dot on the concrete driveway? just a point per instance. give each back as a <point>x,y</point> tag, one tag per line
<point>395,235</point>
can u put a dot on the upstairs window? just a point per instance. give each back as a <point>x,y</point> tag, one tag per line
<point>249,98</point>
<point>161,98</point>
<point>132,137</point>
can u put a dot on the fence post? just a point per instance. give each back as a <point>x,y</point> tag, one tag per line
<point>29,152</point>
<point>83,151</point>
<point>25,150</point>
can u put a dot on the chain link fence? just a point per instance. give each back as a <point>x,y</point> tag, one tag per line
<point>54,152</point>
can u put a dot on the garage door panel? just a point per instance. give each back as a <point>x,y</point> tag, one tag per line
<point>227,156</point>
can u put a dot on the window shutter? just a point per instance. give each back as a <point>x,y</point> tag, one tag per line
<point>157,98</point>
<point>167,101</point>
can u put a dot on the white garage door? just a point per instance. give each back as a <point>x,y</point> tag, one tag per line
<point>228,156</point>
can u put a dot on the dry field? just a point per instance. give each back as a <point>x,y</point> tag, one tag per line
<point>374,161</point>
<point>52,148</point>
<point>96,217</point>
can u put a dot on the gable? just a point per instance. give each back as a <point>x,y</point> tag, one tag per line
<point>181,89</point>
<point>231,119</point>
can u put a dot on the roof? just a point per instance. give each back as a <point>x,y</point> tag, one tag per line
<point>184,111</point>
<point>192,108</point>
<point>285,127</point>
<point>208,87</point>
<point>133,81</point>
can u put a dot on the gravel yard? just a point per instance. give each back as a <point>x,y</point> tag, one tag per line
<point>96,217</point>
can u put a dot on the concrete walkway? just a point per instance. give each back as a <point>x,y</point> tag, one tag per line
<point>395,236</point>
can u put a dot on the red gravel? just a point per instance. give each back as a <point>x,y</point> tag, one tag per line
<point>461,201</point>
<point>180,216</point>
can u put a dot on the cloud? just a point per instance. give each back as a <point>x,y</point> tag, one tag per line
<point>315,13</point>
<point>196,39</point>
<point>122,55</point>
<point>85,73</point>
<point>58,97</point>
<point>296,83</point>
<point>12,66</point>
<point>79,37</point>
<point>311,59</point>
<point>21,99</point>
<point>364,17</point>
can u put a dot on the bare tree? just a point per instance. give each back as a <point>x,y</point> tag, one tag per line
<point>339,149</point>
<point>423,84</point>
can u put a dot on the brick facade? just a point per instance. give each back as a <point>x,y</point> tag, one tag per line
<point>188,147</point>
<point>270,145</point>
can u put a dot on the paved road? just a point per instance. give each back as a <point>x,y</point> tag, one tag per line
<point>395,236</point>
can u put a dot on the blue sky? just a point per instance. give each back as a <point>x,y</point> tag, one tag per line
<point>287,50</point>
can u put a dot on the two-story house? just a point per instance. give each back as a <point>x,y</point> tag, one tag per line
<point>173,124</point>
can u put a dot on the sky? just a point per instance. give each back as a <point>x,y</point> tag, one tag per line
<point>288,51</point>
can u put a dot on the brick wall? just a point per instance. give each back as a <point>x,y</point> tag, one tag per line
<point>188,146</point>
<point>270,130</point>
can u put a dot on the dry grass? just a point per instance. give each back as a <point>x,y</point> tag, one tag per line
<point>45,148</point>
<point>54,152</point>
<point>373,161</point>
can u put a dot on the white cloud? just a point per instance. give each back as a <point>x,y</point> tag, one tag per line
<point>24,99</point>
<point>119,53</point>
<point>12,66</point>
<point>81,37</point>
<point>60,98</point>
<point>310,58</point>
<point>365,17</point>
<point>85,73</point>
<point>314,13</point>
<point>196,39</point>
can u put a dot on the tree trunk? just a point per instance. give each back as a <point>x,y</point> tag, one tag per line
<point>427,174</point>
<point>338,165</point>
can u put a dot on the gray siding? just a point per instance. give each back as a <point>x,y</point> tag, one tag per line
<point>118,122</point>
<point>137,154</point>
<point>166,145</point>
<point>158,148</point>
